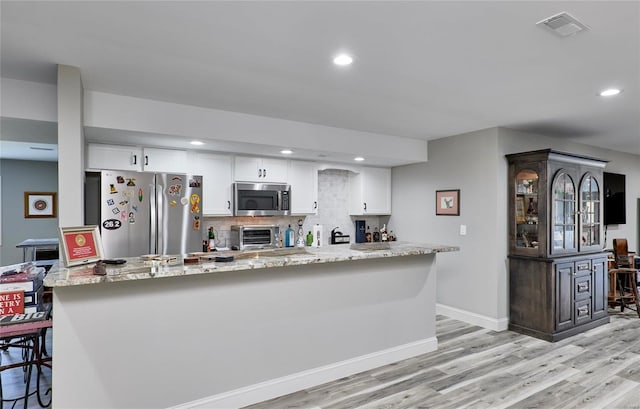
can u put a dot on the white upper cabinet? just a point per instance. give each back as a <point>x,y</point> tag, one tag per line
<point>114,157</point>
<point>136,159</point>
<point>303,178</point>
<point>165,160</point>
<point>216,171</point>
<point>370,191</point>
<point>251,169</point>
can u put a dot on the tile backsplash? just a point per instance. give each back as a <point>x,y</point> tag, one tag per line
<point>333,211</point>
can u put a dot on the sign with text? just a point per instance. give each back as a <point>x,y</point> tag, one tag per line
<point>11,302</point>
<point>80,245</point>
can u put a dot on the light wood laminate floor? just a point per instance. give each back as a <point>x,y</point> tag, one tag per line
<point>478,368</point>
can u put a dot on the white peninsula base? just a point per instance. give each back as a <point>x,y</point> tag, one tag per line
<point>230,339</point>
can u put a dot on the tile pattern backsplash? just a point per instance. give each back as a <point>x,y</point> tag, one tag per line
<point>333,211</point>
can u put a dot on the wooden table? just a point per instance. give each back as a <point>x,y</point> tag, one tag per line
<point>28,336</point>
<point>34,244</point>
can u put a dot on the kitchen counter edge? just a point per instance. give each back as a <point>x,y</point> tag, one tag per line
<point>138,269</point>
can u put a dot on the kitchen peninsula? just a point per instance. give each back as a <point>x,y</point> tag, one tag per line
<point>227,334</point>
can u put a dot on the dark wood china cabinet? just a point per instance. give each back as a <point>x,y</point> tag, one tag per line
<point>557,267</point>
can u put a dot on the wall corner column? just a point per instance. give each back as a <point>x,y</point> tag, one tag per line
<point>70,147</point>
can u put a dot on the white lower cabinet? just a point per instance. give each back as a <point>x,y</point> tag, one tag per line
<point>216,172</point>
<point>303,178</point>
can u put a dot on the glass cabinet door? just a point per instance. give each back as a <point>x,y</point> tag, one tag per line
<point>526,209</point>
<point>589,211</point>
<point>563,217</point>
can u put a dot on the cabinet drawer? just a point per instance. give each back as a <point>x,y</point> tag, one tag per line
<point>582,266</point>
<point>582,311</point>
<point>582,287</point>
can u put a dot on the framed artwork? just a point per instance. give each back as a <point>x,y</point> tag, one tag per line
<point>40,205</point>
<point>448,202</point>
<point>80,245</point>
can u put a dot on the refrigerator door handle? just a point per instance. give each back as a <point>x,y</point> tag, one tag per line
<point>160,219</point>
<point>152,212</point>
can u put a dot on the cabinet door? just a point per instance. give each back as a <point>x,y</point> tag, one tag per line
<point>564,295</point>
<point>370,191</point>
<point>600,287</point>
<point>590,221</point>
<point>114,157</point>
<point>165,161</point>
<point>274,170</point>
<point>250,169</point>
<point>216,183</point>
<point>303,178</point>
<point>563,213</point>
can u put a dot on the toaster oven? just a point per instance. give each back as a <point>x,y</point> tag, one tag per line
<point>245,237</point>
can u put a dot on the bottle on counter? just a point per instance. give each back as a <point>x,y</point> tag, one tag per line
<point>367,235</point>
<point>376,235</point>
<point>212,239</point>
<point>392,236</point>
<point>383,233</point>
<point>289,237</point>
<point>301,239</point>
<point>309,238</point>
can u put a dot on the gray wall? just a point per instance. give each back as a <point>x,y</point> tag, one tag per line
<point>18,177</point>
<point>474,281</point>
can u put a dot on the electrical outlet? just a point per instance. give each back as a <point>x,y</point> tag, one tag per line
<point>463,229</point>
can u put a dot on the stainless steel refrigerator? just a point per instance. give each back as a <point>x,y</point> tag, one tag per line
<point>145,213</point>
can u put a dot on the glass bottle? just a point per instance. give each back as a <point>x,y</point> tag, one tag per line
<point>376,235</point>
<point>367,235</point>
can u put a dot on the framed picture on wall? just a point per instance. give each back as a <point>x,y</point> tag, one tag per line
<point>448,202</point>
<point>40,205</point>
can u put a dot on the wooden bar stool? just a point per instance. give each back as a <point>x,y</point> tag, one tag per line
<point>624,277</point>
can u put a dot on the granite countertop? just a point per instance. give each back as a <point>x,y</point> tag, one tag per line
<point>140,268</point>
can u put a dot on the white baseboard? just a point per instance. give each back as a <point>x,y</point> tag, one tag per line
<point>500,324</point>
<point>291,383</point>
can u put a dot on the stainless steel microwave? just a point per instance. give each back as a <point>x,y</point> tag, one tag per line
<point>261,199</point>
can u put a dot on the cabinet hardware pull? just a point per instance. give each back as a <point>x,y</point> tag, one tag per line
<point>365,206</point>
<point>583,267</point>
<point>228,204</point>
<point>135,159</point>
<point>259,173</point>
<point>264,172</point>
<point>315,205</point>
<point>146,160</point>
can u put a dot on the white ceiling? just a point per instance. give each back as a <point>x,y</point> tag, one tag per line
<point>422,69</point>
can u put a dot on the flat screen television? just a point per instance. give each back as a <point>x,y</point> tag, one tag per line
<point>614,199</point>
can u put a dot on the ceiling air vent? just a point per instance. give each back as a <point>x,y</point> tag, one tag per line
<point>563,24</point>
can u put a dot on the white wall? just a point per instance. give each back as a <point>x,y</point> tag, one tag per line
<point>474,279</point>
<point>236,338</point>
<point>19,176</point>
<point>28,100</point>
<point>125,113</point>
<point>473,283</point>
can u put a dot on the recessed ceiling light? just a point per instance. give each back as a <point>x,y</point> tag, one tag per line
<point>197,143</point>
<point>358,158</point>
<point>610,92</point>
<point>286,151</point>
<point>343,59</point>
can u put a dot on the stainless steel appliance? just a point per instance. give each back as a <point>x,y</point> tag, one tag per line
<point>254,237</point>
<point>145,213</point>
<point>261,199</point>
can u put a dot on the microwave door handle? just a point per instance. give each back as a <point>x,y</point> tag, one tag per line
<point>160,221</point>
